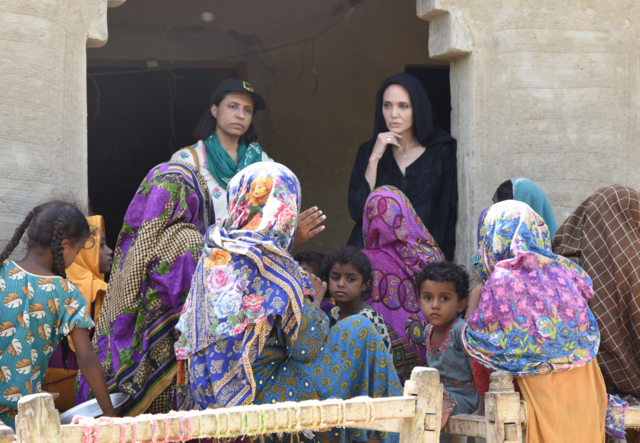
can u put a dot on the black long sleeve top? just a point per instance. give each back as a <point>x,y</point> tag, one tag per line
<point>430,183</point>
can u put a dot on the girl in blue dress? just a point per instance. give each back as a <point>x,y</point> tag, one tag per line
<point>40,307</point>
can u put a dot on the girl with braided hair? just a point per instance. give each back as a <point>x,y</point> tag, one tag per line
<point>39,307</point>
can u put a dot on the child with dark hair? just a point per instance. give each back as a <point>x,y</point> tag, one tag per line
<point>444,289</point>
<point>349,279</point>
<point>87,274</point>
<point>40,307</point>
<point>315,263</point>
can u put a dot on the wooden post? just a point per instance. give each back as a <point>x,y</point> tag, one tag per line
<point>424,427</point>
<point>502,410</point>
<point>38,420</point>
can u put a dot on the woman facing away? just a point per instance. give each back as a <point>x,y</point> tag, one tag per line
<point>250,332</point>
<point>41,307</point>
<point>526,191</point>
<point>227,143</point>
<point>410,152</point>
<point>155,258</point>
<point>603,237</point>
<point>533,320</point>
<point>399,246</point>
<point>87,274</point>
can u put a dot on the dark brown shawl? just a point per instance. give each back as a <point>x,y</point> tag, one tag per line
<point>603,236</point>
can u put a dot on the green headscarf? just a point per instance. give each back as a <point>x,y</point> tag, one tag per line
<point>527,191</point>
<point>221,165</point>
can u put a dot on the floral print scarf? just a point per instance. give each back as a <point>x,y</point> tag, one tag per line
<point>246,280</point>
<point>533,316</point>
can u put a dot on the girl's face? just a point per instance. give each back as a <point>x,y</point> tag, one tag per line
<point>70,251</point>
<point>397,110</point>
<point>346,283</point>
<point>439,302</point>
<point>106,256</point>
<point>234,114</point>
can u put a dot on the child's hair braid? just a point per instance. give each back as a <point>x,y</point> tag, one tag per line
<point>57,249</point>
<point>15,240</point>
<point>49,224</point>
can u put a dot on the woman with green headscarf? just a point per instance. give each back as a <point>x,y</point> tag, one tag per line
<point>526,191</point>
<point>227,143</point>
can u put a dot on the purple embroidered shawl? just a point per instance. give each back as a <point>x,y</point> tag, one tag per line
<point>154,261</point>
<point>398,245</point>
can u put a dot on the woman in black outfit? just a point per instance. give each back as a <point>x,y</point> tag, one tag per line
<point>410,152</point>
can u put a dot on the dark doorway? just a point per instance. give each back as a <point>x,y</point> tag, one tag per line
<point>137,118</point>
<point>435,80</point>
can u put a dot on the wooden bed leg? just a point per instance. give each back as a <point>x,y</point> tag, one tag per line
<point>38,421</point>
<point>424,427</point>
<point>502,410</point>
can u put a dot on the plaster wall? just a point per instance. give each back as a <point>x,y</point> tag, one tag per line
<point>320,93</point>
<point>545,90</point>
<point>43,143</point>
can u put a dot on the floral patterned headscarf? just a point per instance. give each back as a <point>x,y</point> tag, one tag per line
<point>245,281</point>
<point>533,316</point>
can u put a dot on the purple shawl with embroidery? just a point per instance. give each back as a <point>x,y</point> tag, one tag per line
<point>154,261</point>
<point>399,246</point>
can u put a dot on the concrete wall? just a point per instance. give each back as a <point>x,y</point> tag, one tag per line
<point>321,95</point>
<point>43,140</point>
<point>545,90</point>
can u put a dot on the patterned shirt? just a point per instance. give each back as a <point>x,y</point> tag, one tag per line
<point>373,317</point>
<point>218,193</point>
<point>36,312</point>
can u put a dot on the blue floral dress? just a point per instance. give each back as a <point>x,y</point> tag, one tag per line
<point>36,312</point>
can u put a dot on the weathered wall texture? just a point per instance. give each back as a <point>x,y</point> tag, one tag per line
<point>546,90</point>
<point>43,139</point>
<point>314,128</point>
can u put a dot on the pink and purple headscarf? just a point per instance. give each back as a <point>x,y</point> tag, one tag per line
<point>399,246</point>
<point>533,316</point>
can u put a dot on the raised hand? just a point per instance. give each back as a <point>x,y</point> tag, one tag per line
<point>308,225</point>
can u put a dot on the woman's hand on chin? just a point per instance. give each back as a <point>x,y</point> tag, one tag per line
<point>308,225</point>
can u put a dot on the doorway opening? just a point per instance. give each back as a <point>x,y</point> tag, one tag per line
<point>436,82</point>
<point>138,116</point>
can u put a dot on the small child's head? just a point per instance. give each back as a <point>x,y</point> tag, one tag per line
<point>444,288</point>
<point>349,274</point>
<point>313,263</point>
<point>56,226</point>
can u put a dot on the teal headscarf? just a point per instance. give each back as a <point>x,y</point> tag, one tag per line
<point>526,191</point>
<point>221,165</point>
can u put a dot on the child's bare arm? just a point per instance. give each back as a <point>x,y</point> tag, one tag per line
<point>92,370</point>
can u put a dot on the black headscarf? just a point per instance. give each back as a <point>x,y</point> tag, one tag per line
<point>424,125</point>
<point>430,182</point>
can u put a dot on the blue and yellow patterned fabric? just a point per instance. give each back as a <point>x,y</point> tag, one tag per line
<point>245,281</point>
<point>249,332</point>
<point>36,312</point>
